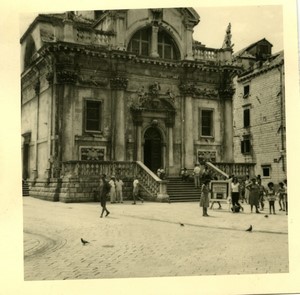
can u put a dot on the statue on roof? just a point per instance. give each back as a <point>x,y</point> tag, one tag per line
<point>227,40</point>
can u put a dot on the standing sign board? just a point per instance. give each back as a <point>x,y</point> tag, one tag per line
<point>220,190</point>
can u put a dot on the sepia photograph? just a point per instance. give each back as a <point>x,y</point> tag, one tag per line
<point>155,144</point>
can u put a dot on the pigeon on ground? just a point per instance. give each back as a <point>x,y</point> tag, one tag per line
<point>84,241</point>
<point>250,228</point>
<point>181,224</point>
<point>266,215</point>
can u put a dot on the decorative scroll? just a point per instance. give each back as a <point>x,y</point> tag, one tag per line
<point>92,153</point>
<point>204,156</point>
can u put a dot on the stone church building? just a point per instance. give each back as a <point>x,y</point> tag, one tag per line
<point>121,92</point>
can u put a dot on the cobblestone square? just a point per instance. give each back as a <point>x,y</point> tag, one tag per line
<point>149,240</point>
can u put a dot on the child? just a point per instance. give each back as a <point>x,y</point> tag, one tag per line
<point>281,195</point>
<point>271,197</point>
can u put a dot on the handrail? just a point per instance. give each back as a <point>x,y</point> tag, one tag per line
<point>216,169</point>
<point>142,165</point>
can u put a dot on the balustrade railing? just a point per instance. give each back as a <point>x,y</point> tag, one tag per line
<point>206,54</point>
<point>148,179</point>
<point>237,169</point>
<point>92,37</point>
<point>96,168</point>
<point>152,184</point>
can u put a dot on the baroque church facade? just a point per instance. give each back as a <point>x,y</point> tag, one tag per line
<point>104,90</point>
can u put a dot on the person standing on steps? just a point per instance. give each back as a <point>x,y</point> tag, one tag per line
<point>204,197</point>
<point>104,189</point>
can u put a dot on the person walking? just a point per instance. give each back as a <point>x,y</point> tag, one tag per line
<point>196,174</point>
<point>104,189</point>
<point>270,192</point>
<point>254,192</point>
<point>204,197</point>
<point>136,192</point>
<point>119,190</point>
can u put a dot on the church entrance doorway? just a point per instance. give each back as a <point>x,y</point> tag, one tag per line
<point>153,149</point>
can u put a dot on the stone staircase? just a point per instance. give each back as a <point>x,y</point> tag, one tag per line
<point>180,191</point>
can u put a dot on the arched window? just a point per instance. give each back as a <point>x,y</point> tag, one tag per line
<point>140,42</point>
<point>167,48</point>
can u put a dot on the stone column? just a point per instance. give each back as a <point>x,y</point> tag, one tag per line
<point>189,40</point>
<point>188,138</point>
<point>154,35</point>
<point>170,124</point>
<point>138,121</point>
<point>228,132</point>
<point>171,162</point>
<point>119,85</point>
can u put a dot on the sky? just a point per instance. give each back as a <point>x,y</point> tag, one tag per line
<point>248,25</point>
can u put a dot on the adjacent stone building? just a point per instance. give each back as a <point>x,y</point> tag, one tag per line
<point>259,111</point>
<point>122,92</point>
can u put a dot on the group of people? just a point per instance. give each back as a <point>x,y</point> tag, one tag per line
<point>113,189</point>
<point>251,192</point>
<point>198,174</point>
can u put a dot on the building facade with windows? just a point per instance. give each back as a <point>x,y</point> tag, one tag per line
<point>259,111</point>
<point>121,87</point>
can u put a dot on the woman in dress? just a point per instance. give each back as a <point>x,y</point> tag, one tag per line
<point>204,199</point>
<point>254,193</point>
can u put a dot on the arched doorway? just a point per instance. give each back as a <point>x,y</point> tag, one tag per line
<point>153,149</point>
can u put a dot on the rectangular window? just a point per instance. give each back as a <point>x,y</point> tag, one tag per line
<point>246,91</point>
<point>266,171</point>
<point>246,145</point>
<point>206,123</point>
<point>93,115</point>
<point>246,118</point>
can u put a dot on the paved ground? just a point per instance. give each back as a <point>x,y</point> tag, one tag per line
<point>147,240</point>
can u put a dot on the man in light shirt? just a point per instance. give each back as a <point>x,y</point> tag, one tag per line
<point>196,173</point>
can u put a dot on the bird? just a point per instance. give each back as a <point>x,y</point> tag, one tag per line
<point>266,215</point>
<point>84,242</point>
<point>250,228</point>
<point>181,224</point>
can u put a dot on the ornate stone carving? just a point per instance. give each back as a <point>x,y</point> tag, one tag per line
<point>227,40</point>
<point>66,76</point>
<point>92,153</point>
<point>206,93</point>
<point>154,89</point>
<point>227,92</point>
<point>187,89</point>
<point>118,83</point>
<point>92,80</point>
